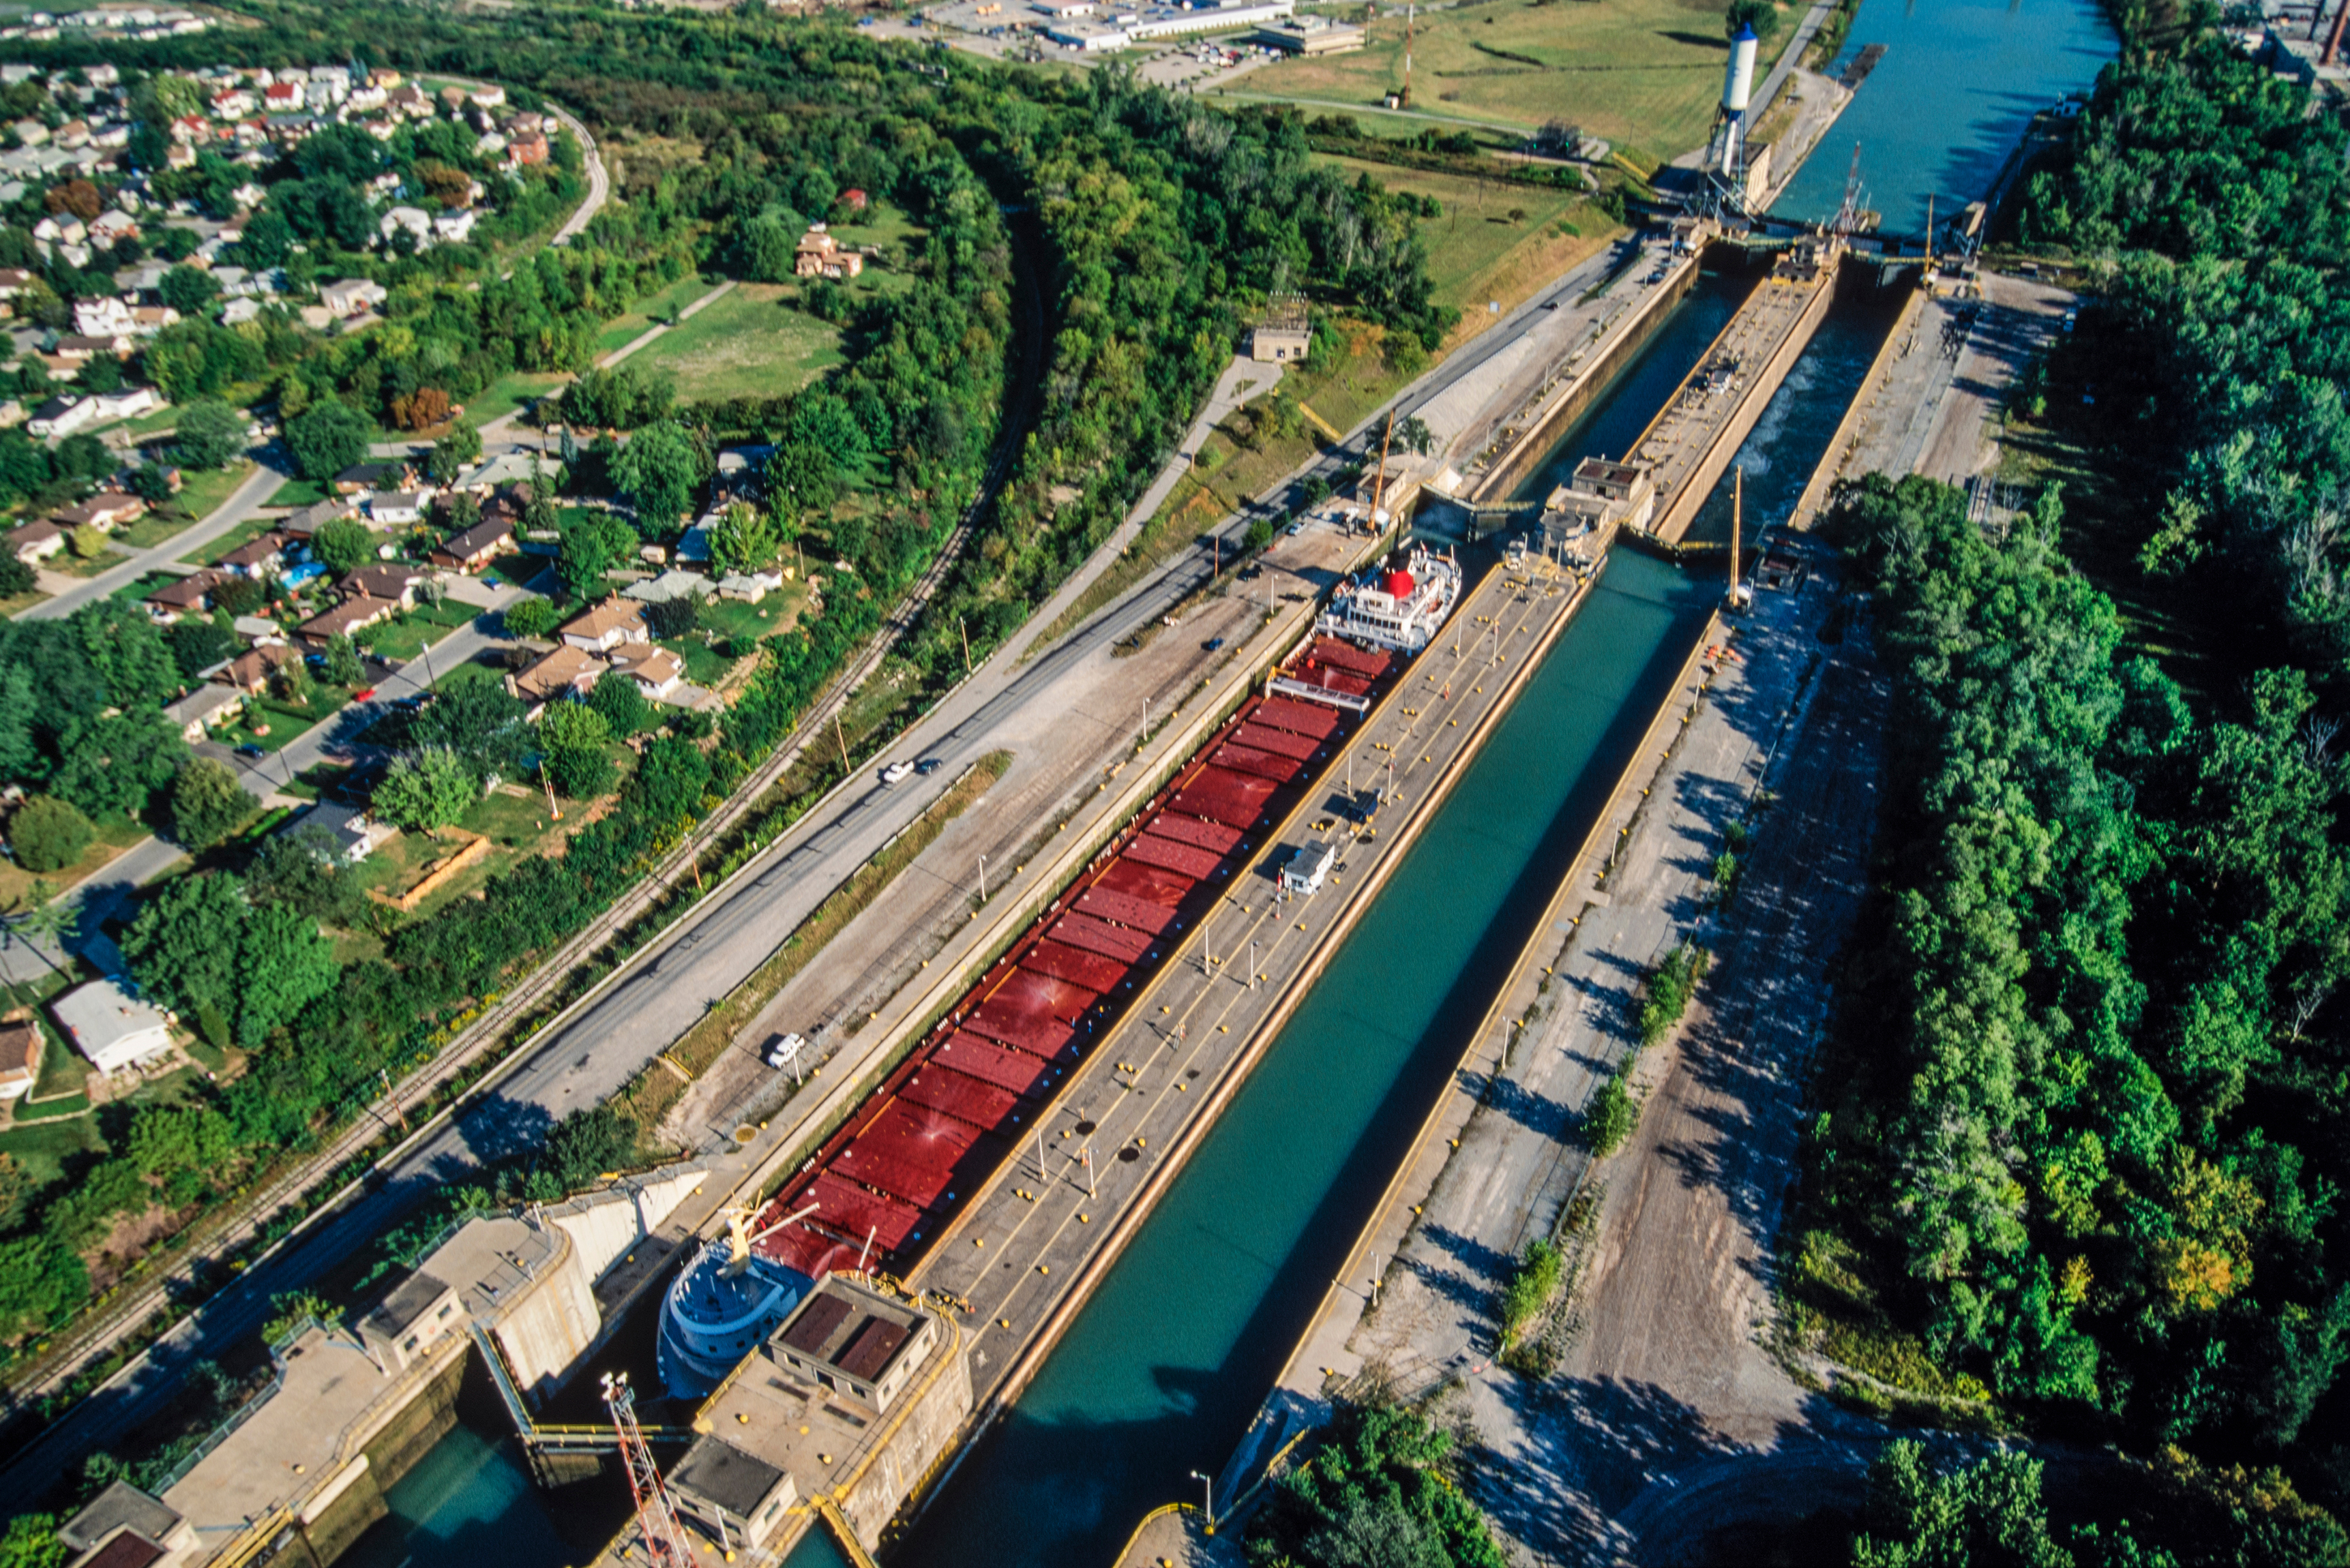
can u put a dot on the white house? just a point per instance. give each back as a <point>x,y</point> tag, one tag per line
<point>399,508</point>
<point>111,1026</point>
<point>62,416</point>
<point>351,296</point>
<point>415,220</point>
<point>105,316</point>
<point>456,226</point>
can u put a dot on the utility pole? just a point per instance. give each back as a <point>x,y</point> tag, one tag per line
<point>840,740</point>
<point>966,645</point>
<point>1411,13</point>
<point>1737,517</point>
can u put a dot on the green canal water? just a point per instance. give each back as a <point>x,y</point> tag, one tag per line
<point>469,1501</point>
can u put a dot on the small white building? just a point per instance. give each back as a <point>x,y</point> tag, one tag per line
<point>111,1026</point>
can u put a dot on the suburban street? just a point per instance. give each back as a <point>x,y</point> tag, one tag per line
<point>243,501</point>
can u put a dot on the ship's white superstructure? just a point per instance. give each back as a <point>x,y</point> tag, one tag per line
<point>1401,607</point>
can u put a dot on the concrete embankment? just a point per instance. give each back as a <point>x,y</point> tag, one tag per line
<point>1898,343</point>
<point>1045,1231</point>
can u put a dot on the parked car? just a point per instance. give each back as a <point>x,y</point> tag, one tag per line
<point>928,766</point>
<point>895,772</point>
<point>1213,643</point>
<point>251,749</point>
<point>781,1049</point>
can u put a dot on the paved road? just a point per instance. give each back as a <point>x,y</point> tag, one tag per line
<point>242,503</point>
<point>599,183</point>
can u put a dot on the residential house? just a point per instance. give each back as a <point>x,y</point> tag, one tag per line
<point>231,103</point>
<point>749,587</point>
<point>853,199</point>
<point>528,150</point>
<point>208,707</point>
<point>415,220</point>
<point>284,97</point>
<point>567,672</point>
<point>252,670</point>
<point>73,133</point>
<point>656,670</point>
<point>12,413</point>
<point>113,227</point>
<point>109,509</point>
<point>364,100</point>
<point>127,403</point>
<point>20,1056</point>
<point>392,581</point>
<point>60,229</point>
<point>31,542</point>
<point>473,549</point>
<point>399,508</point>
<point>455,226</point>
<point>364,479</point>
<point>345,619</point>
<point>146,320</point>
<point>490,97</point>
<point>300,526</point>
<point>818,255</point>
<point>74,346</point>
<point>183,596</point>
<point>31,132</point>
<point>351,296</point>
<point>257,558</point>
<point>354,832</point>
<point>605,626</point>
<point>62,416</point>
<point>110,1026</point>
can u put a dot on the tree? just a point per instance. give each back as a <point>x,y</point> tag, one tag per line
<point>189,290</point>
<point>671,779</point>
<point>481,720</point>
<point>76,196</point>
<point>284,963</point>
<point>622,702</point>
<point>16,576</point>
<point>658,470</point>
<point>299,869</point>
<point>88,542</point>
<point>328,438</point>
<point>343,667</point>
<point>531,616</point>
<point>182,947</point>
<point>342,545</point>
<point>1375,1495</point>
<point>1989,1511</point>
<point>48,834</point>
<point>668,619</point>
<point>1762,16</point>
<point>197,645</point>
<point>41,918</point>
<point>770,249</point>
<point>110,764</point>
<point>208,434</point>
<point>152,483</point>
<point>208,803</point>
<point>583,773</point>
<point>573,725</point>
<point>1412,434</point>
<point>453,452</point>
<point>594,543</point>
<point>426,789</point>
<point>420,410</point>
<point>744,539</point>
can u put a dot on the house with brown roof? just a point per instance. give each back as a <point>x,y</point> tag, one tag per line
<point>208,707</point>
<point>390,581</point>
<point>366,478</point>
<point>252,670</point>
<point>345,618</point>
<point>473,549</point>
<point>656,670</point>
<point>567,672</point>
<point>31,542</point>
<point>818,255</point>
<point>605,626</point>
<point>261,557</point>
<point>108,509</point>
<point>185,596</point>
<point>301,525</point>
<point>20,1055</point>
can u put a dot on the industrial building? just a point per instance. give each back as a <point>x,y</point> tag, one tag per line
<point>1094,28</point>
<point>1309,35</point>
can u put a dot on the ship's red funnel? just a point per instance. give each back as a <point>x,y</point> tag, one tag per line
<point>1400,584</point>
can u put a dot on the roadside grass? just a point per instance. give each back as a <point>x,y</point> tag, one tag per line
<point>752,343</point>
<point>657,1088</point>
<point>62,1071</point>
<point>287,722</point>
<point>508,394</point>
<point>1646,72</point>
<point>113,836</point>
<point>404,637</point>
<point>17,603</point>
<point>202,494</point>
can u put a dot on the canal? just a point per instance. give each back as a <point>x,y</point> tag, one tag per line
<point>1959,81</point>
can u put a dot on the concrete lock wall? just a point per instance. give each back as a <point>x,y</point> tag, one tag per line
<point>551,1325</point>
<point>605,1225</point>
<point>926,1435</point>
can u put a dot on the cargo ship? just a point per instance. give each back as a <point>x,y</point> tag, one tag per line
<point>1401,606</point>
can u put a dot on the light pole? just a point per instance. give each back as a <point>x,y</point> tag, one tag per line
<point>982,878</point>
<point>1252,966</point>
<point>1211,1486</point>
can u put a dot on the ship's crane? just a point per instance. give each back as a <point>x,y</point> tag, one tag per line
<point>665,1542</point>
<point>741,1238</point>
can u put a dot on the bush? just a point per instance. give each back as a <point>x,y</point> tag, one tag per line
<point>16,576</point>
<point>208,803</point>
<point>674,619</point>
<point>342,546</point>
<point>1531,1287</point>
<point>48,834</point>
<point>583,773</point>
<point>1670,986</point>
<point>532,617</point>
<point>1611,1118</point>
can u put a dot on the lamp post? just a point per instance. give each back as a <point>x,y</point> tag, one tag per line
<point>1211,1487</point>
<point>982,878</point>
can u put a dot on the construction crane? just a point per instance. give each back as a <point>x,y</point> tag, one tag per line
<point>665,1542</point>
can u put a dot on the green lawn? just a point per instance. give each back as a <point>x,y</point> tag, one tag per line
<point>404,637</point>
<point>749,344</point>
<point>150,530</point>
<point>285,720</point>
<point>62,1071</point>
<point>508,393</point>
<point>114,835</point>
<point>236,539</point>
<point>624,328</point>
<point>314,779</point>
<point>202,492</point>
<point>299,493</point>
<point>43,1148</point>
<point>1646,73</point>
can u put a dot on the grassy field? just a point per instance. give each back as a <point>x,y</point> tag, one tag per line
<point>508,393</point>
<point>750,344</point>
<point>43,1148</point>
<point>298,493</point>
<point>1478,251</point>
<point>1646,73</point>
<point>624,328</point>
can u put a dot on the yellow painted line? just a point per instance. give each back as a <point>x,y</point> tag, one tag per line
<point>1319,422</point>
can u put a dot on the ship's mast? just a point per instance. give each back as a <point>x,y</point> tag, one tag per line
<point>1379,481</point>
<point>665,1541</point>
